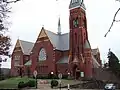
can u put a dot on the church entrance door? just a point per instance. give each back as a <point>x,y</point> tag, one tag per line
<point>76,72</point>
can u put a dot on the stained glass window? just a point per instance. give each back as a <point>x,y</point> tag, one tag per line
<point>42,54</point>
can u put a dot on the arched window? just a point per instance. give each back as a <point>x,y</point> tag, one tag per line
<point>75,22</point>
<point>42,54</point>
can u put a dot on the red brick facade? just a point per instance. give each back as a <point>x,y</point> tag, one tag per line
<point>78,38</point>
<point>75,59</point>
<point>43,67</point>
<point>18,58</point>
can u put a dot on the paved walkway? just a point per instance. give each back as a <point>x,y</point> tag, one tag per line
<point>64,89</point>
<point>46,83</point>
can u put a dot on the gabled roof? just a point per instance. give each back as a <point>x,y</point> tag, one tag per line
<point>59,41</point>
<point>26,46</point>
<point>95,51</point>
<point>53,38</point>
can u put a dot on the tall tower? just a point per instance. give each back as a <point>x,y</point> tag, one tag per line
<point>78,35</point>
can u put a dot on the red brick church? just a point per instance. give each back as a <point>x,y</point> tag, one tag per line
<point>56,52</point>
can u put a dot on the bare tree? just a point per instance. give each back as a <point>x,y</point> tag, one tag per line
<point>5,41</point>
<point>114,20</point>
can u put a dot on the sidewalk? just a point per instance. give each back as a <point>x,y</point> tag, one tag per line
<point>64,89</point>
<point>63,83</point>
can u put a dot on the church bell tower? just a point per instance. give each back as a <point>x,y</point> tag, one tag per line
<point>78,34</point>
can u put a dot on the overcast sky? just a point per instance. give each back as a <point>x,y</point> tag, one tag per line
<point>28,16</point>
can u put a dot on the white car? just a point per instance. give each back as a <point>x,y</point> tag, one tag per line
<point>110,87</point>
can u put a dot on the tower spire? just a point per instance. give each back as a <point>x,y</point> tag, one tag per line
<point>76,4</point>
<point>59,26</point>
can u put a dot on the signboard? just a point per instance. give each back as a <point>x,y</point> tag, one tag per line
<point>35,73</point>
<point>82,74</point>
<point>60,76</point>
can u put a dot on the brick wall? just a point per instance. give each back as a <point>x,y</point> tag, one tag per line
<point>47,65</point>
<point>63,68</point>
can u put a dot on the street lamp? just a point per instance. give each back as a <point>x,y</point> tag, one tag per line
<point>52,74</point>
<point>68,75</point>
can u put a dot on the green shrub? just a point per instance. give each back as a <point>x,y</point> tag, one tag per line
<point>44,77</point>
<point>21,85</point>
<point>31,83</point>
<point>41,77</point>
<point>54,83</point>
<point>65,77</point>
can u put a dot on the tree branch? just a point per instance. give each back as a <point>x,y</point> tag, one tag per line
<point>81,3</point>
<point>11,1</point>
<point>117,20</point>
<point>113,21</point>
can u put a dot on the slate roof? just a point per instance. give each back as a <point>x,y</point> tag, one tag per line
<point>28,63</point>
<point>95,63</point>
<point>59,41</point>
<point>63,60</point>
<point>26,46</point>
<point>76,4</point>
<point>95,51</point>
<point>87,44</point>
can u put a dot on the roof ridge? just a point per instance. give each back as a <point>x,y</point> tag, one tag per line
<point>51,31</point>
<point>64,33</point>
<point>55,33</point>
<point>21,46</point>
<point>26,41</point>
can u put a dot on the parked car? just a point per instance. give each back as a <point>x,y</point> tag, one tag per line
<point>110,86</point>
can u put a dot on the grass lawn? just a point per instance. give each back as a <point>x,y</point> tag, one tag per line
<point>13,82</point>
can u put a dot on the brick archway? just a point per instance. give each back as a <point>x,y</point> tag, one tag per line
<point>76,73</point>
